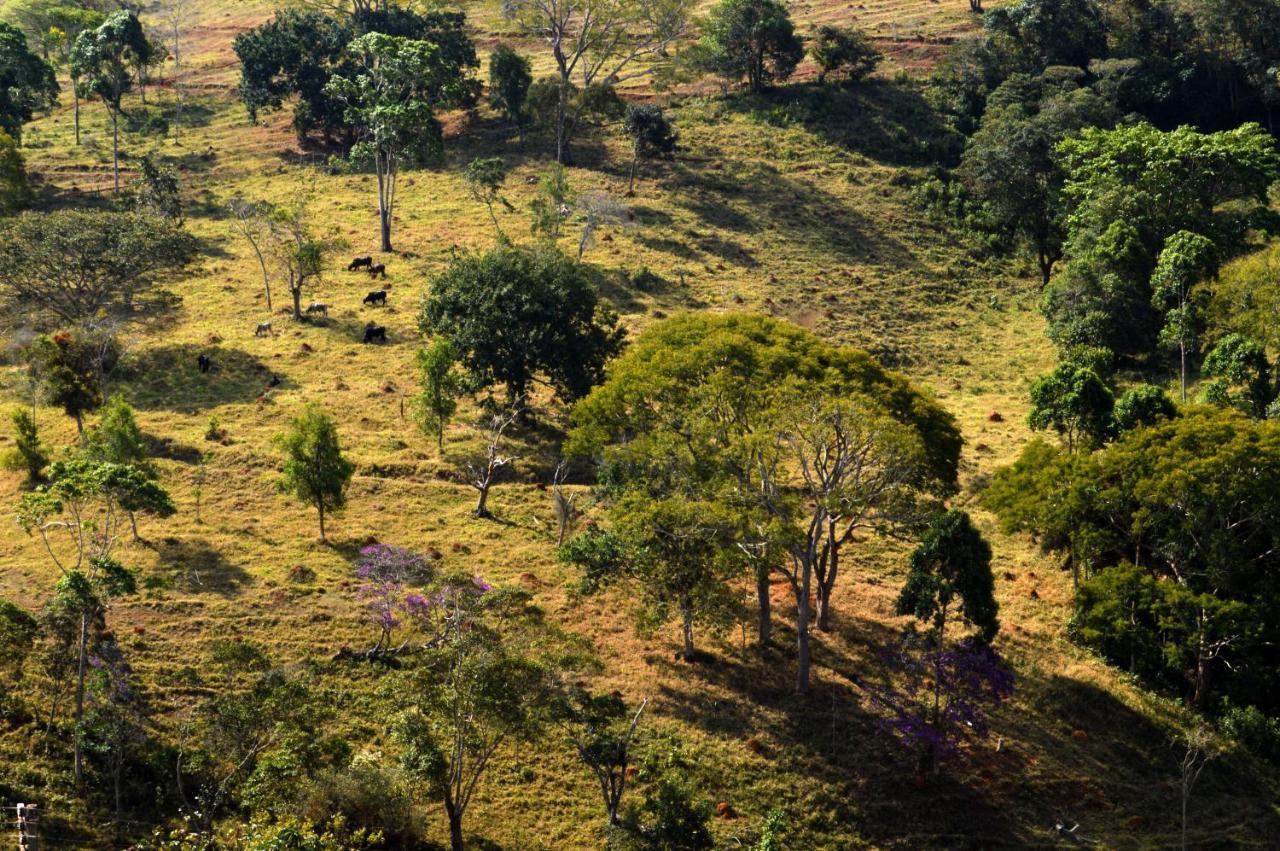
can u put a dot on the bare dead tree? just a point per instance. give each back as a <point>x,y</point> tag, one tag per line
<point>1198,752</point>
<point>482,471</point>
<point>565,503</point>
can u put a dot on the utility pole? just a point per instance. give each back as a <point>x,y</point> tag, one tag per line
<point>28,822</point>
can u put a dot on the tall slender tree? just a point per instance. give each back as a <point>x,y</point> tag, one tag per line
<point>103,59</point>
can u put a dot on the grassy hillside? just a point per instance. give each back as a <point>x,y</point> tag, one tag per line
<point>791,204</point>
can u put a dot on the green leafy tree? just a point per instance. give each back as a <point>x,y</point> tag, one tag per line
<point>299,254</point>
<point>94,265</point>
<point>670,817</point>
<point>315,470</point>
<point>602,729</point>
<point>735,410</point>
<point>1142,405</point>
<point>1010,162</point>
<point>478,689</point>
<point>118,439</point>
<point>442,384</point>
<point>844,50</point>
<point>27,82</point>
<point>953,560</point>
<point>751,39</point>
<point>65,25</point>
<point>597,44</point>
<point>157,191</point>
<point>103,59</point>
<point>550,207</point>
<point>28,453</point>
<point>484,177</point>
<point>651,136</point>
<point>1073,401</point>
<point>1241,376</point>
<point>1188,259</point>
<point>78,516</point>
<point>71,369</point>
<point>1131,189</point>
<point>674,553</point>
<point>15,191</point>
<point>391,101</point>
<point>517,315</point>
<point>509,79</point>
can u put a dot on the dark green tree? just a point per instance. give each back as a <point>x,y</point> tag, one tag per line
<point>753,40</point>
<point>1073,401</point>
<point>1188,259</point>
<point>28,453</point>
<point>1143,405</point>
<point>71,368</point>
<point>1241,376</point>
<point>27,82</point>
<point>846,51</point>
<point>519,315</point>
<point>651,136</point>
<point>953,560</point>
<point>509,79</point>
<point>315,470</point>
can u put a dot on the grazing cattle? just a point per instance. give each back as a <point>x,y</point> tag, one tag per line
<point>204,363</point>
<point>360,263</point>
<point>317,307</point>
<point>264,329</point>
<point>274,382</point>
<point>380,269</point>
<point>376,297</point>
<point>374,332</point>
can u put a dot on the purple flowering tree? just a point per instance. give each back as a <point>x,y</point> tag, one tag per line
<point>936,698</point>
<point>385,573</point>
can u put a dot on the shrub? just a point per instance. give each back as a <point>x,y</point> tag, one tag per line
<point>1249,726</point>
<point>844,50</point>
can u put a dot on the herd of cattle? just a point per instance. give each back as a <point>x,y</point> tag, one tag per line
<point>373,332</point>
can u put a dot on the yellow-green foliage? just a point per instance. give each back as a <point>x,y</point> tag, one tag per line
<point>772,207</point>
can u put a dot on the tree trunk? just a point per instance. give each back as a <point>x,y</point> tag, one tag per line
<point>75,97</point>
<point>80,425</point>
<point>631,182</point>
<point>77,759</point>
<point>828,582</point>
<point>802,636</point>
<point>822,617</point>
<point>764,626</point>
<point>384,222</point>
<point>296,292</point>
<point>686,617</point>
<point>115,149</point>
<point>455,826</point>
<point>320,508</point>
<point>481,509</point>
<point>1182,352</point>
<point>133,524</point>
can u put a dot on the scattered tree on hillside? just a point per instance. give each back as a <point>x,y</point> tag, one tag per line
<point>78,516</point>
<point>651,136</point>
<point>598,44</point>
<point>597,208</point>
<point>1187,259</point>
<point>484,177</point>
<point>315,470</point>
<point>71,368</point>
<point>602,729</point>
<point>27,82</point>
<point>483,470</point>
<point>519,315</point>
<point>93,266</point>
<point>252,220</point>
<point>28,454</point>
<point>751,39</point>
<point>844,50</point>
<point>298,253</point>
<point>510,75</point>
<point>118,439</point>
<point>391,99</point>
<point>477,689</point>
<point>551,206</point>
<point>157,191</point>
<point>1241,376</point>
<point>103,59</point>
<point>66,25</point>
<point>15,191</point>
<point>1073,401</point>
<point>953,560</point>
<point>442,384</point>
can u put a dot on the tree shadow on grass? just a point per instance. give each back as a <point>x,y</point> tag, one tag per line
<point>888,121</point>
<point>200,566</point>
<point>168,378</point>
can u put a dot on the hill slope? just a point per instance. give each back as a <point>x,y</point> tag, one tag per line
<point>791,204</point>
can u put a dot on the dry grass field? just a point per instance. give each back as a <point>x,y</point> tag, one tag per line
<point>789,204</point>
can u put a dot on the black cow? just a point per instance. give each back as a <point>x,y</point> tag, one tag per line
<point>360,263</point>
<point>374,332</point>
<point>204,363</point>
<point>380,269</point>
<point>376,297</point>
